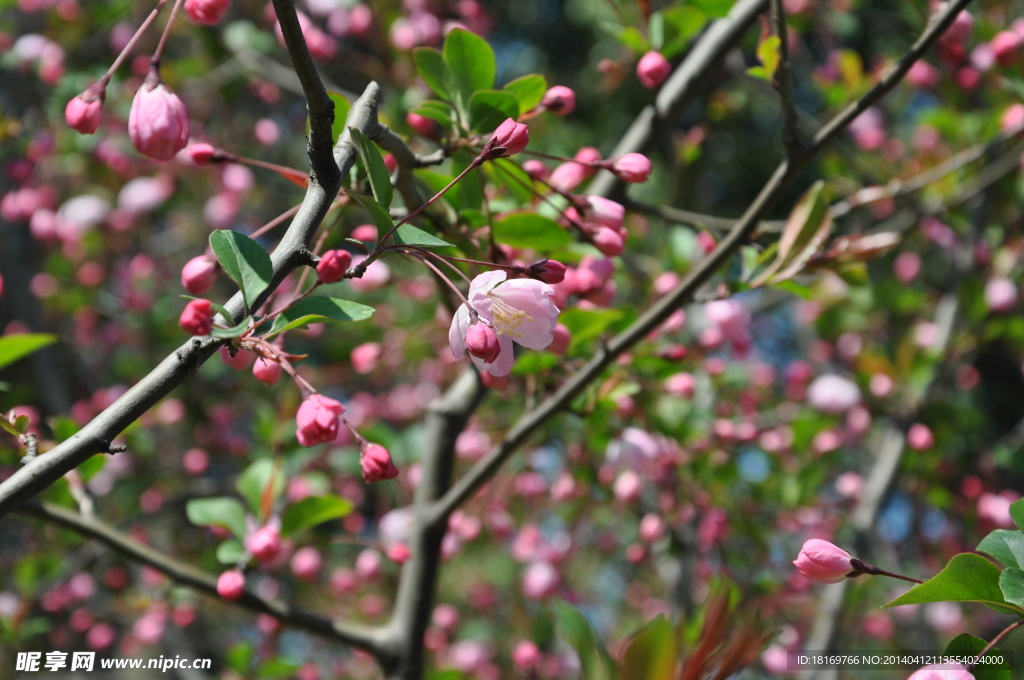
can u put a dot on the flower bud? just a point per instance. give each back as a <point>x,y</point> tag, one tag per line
<point>568,176</point>
<point>633,167</point>
<point>84,112</point>
<point>604,211</point>
<point>562,339</point>
<point>199,274</point>
<point>266,371</point>
<point>306,563</point>
<point>482,342</point>
<point>158,122</point>
<point>317,420</point>
<point>559,100</point>
<point>608,241</point>
<point>197,318</point>
<point>231,584</point>
<point>264,544</point>
<point>535,169</point>
<point>540,580</point>
<point>548,271</point>
<point>509,139</point>
<point>1005,47</point>
<point>920,437</point>
<point>1000,294</point>
<point>206,12</point>
<point>376,464</point>
<point>421,125</point>
<point>333,265</point>
<point>822,562</point>
<point>653,69</point>
<point>202,153</point>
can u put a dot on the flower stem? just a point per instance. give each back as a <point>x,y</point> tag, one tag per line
<point>477,162</point>
<point>155,59</point>
<point>131,43</point>
<point>864,568</point>
<point>995,641</point>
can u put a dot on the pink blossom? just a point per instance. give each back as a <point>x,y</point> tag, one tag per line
<point>568,176</point>
<point>907,266</point>
<point>627,487</point>
<point>306,563</point>
<point>482,343</point>
<point>603,211</point>
<point>197,317</point>
<point>1012,118</point>
<point>158,122</point>
<point>560,100</point>
<point>195,461</point>
<point>264,544</point>
<point>1000,294</point>
<point>608,241</point>
<point>849,485</point>
<point>942,672</point>
<point>317,420</point>
<point>266,371</point>
<point>652,527</point>
<point>526,656</point>
<point>822,562</point>
<point>1006,47</point>
<point>633,167</point>
<point>231,584</point>
<point>509,139</point>
<point>923,75</point>
<point>333,265</point>
<point>833,394</point>
<point>201,153</point>
<point>518,310</point>
<point>445,617</point>
<point>920,437</point>
<point>653,69</point>
<point>562,339</point>
<point>376,464</point>
<point>680,385</point>
<point>535,168</point>
<point>364,357</point>
<point>84,112</point>
<point>207,12</point>
<point>540,580</point>
<point>199,274</point>
<point>368,563</point>
<point>548,271</point>
<point>996,508</point>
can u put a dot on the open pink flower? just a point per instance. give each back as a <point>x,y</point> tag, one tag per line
<point>518,310</point>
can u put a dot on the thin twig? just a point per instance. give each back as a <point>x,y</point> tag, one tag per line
<point>784,83</point>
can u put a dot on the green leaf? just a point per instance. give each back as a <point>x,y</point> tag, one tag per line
<point>768,53</point>
<point>530,230</point>
<point>529,90</point>
<point>319,310</point>
<point>222,512</point>
<point>312,511</point>
<point>714,9</point>
<point>21,424</point>
<point>490,108</point>
<point>92,465</point>
<point>652,652</point>
<point>254,481</point>
<point>234,331</point>
<point>504,172</point>
<point>588,324</point>
<point>595,662</point>
<point>471,65</point>
<point>967,578</point>
<point>439,112</point>
<point>1017,513</point>
<point>239,658</point>
<point>7,425</point>
<point>470,189</point>
<point>759,72</point>
<point>632,38</point>
<point>806,229</point>
<point>1006,545</point>
<point>244,261</point>
<point>230,551</point>
<point>341,107</point>
<point>18,345</point>
<point>413,236</point>
<point>433,69</point>
<point>681,24</point>
<point>376,171</point>
<point>994,668</point>
<point>379,215</point>
<point>1011,582</point>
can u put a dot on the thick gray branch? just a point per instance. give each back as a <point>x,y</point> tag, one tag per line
<point>185,574</point>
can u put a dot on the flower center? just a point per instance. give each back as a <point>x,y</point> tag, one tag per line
<point>507,319</point>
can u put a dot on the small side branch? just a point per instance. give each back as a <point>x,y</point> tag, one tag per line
<point>784,83</point>
<point>363,637</point>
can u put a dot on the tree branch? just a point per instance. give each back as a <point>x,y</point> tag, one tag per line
<point>784,83</point>
<point>683,293</point>
<point>363,637</point>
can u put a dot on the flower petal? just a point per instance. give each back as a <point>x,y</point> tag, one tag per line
<point>482,285</point>
<point>532,298</point>
<point>457,332</point>
<point>503,364</point>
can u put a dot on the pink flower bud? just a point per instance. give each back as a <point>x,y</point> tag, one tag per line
<point>376,464</point>
<point>197,318</point>
<point>540,580</point>
<point>627,487</point>
<point>526,656</point>
<point>199,274</point>
<point>653,69</point>
<point>264,544</point>
<point>680,385</point>
<point>445,617</point>
<point>368,563</point>
<point>923,75</point>
<point>317,420</point>
<point>482,342</point>
<point>231,584</point>
<point>195,461</point>
<point>333,265</point>
<point>509,139</point>
<point>306,563</point>
<point>920,437</point>
<point>1000,294</point>
<point>421,125</point>
<point>158,122</point>
<point>652,528</point>
<point>822,562</point>
<point>399,553</point>
<point>364,357</point>
<point>1006,47</point>
<point>633,167</point>
<point>942,672</point>
<point>266,371</point>
<point>548,271</point>
<point>608,241</point>
<point>535,168</point>
<point>562,339</point>
<point>568,176</point>
<point>84,112</point>
<point>207,12</point>
<point>559,100</point>
<point>201,153</point>
<point>604,211</point>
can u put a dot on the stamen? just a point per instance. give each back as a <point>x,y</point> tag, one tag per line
<point>507,319</point>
